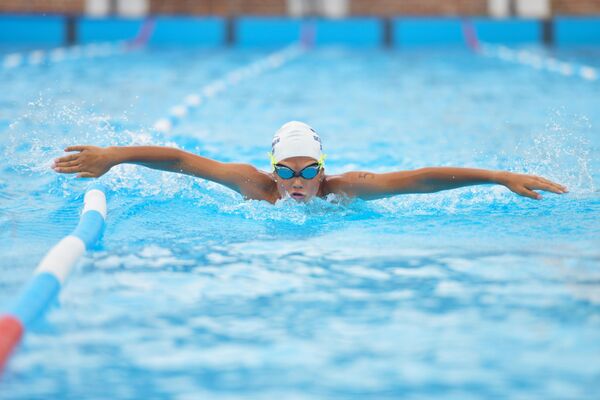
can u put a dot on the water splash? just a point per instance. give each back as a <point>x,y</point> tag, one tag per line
<point>561,151</point>
<point>49,125</point>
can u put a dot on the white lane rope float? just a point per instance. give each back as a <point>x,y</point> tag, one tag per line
<point>59,54</point>
<point>194,100</point>
<point>51,273</point>
<point>87,51</point>
<point>540,62</point>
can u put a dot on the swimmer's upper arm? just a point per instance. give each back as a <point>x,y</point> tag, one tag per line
<point>243,178</point>
<point>370,185</point>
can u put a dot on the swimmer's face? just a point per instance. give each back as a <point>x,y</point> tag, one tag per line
<point>298,188</point>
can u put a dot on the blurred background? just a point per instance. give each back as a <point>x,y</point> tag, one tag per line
<point>63,17</point>
<point>330,8</point>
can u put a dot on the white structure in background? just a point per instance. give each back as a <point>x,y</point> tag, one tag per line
<point>499,8</point>
<point>125,8</point>
<point>522,8</point>
<point>299,8</point>
<point>533,8</point>
<point>334,8</point>
<point>325,8</point>
<point>133,8</point>
<point>97,8</point>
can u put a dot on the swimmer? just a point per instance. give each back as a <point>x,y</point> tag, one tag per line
<point>298,171</point>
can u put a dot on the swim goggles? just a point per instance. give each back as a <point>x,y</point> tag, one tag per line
<point>308,172</point>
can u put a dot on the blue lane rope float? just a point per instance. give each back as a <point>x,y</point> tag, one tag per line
<point>51,273</point>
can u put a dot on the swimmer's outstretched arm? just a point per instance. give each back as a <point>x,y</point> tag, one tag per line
<point>93,162</point>
<point>369,185</point>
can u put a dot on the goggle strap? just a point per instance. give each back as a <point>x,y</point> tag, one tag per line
<point>321,160</point>
<point>272,159</point>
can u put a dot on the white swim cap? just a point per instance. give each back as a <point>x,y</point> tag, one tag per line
<point>296,139</point>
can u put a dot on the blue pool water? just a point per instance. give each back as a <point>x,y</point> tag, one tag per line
<point>194,293</point>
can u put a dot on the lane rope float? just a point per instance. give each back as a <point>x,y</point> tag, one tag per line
<point>525,57</point>
<point>540,62</point>
<point>275,60</point>
<point>87,51</point>
<point>51,273</point>
<point>59,54</point>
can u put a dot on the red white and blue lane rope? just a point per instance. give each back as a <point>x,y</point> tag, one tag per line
<point>51,273</point>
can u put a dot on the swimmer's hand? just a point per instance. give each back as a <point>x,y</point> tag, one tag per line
<point>525,185</point>
<point>88,162</point>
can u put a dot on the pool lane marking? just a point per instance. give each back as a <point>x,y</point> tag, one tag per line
<point>180,111</point>
<point>51,273</point>
<point>91,50</point>
<point>540,62</point>
<point>524,57</point>
<point>59,54</point>
<point>470,34</point>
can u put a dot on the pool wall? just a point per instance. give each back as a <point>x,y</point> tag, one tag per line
<point>271,31</point>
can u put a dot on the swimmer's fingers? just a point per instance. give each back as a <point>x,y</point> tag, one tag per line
<point>525,192</point>
<point>67,170</point>
<point>545,186</point>
<point>539,183</point>
<point>85,175</point>
<point>63,164</point>
<point>551,186</point>
<point>77,148</point>
<point>70,157</point>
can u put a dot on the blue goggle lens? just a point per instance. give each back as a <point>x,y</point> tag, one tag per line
<point>287,173</point>
<point>284,173</point>
<point>309,172</point>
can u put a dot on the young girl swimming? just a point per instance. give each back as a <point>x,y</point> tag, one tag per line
<point>298,171</point>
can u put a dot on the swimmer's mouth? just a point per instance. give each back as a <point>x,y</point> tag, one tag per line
<point>298,196</point>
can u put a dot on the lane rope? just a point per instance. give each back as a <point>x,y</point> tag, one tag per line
<point>540,62</point>
<point>273,61</point>
<point>525,57</point>
<point>51,273</point>
<point>60,54</point>
<point>88,51</point>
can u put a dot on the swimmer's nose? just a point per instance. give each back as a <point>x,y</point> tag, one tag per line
<point>297,184</point>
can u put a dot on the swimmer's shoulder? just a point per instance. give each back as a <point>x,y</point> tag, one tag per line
<point>258,184</point>
<point>335,184</point>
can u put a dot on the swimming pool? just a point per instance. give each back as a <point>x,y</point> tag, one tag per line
<point>472,293</point>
